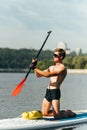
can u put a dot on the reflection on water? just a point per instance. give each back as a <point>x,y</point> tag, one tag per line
<point>64,128</point>
<point>68,128</point>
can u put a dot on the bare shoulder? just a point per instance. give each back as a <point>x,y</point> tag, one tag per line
<point>61,66</point>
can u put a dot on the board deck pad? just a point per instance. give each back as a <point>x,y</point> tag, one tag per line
<point>45,123</point>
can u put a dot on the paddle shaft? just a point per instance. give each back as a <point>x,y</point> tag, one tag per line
<point>19,87</point>
<point>39,52</point>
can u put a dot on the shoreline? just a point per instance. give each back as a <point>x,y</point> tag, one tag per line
<point>77,71</point>
<point>69,71</point>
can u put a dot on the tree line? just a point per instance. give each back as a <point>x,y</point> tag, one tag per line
<point>21,59</point>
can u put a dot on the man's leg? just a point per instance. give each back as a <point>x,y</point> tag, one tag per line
<point>46,105</point>
<point>56,108</point>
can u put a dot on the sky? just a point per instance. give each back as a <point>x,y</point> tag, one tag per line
<point>25,23</point>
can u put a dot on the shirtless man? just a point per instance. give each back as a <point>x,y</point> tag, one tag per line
<point>57,74</point>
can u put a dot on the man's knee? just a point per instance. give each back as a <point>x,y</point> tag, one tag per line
<point>48,113</point>
<point>44,113</point>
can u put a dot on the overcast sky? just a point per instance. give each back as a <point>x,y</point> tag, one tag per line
<point>25,23</point>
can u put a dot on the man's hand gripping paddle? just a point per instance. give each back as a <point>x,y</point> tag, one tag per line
<point>19,87</point>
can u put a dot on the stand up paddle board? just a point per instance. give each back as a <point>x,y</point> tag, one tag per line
<point>20,123</point>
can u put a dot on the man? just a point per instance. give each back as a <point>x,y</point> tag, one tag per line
<point>57,74</point>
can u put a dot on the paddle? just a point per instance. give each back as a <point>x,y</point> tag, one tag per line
<point>19,87</point>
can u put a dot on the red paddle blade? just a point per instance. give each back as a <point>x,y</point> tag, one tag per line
<point>18,89</point>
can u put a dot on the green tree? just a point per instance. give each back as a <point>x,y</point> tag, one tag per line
<point>78,62</point>
<point>68,62</point>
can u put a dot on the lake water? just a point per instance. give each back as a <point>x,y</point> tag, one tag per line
<point>73,90</point>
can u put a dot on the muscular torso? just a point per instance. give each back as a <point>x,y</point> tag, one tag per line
<point>55,81</point>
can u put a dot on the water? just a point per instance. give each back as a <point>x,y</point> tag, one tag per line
<point>73,90</point>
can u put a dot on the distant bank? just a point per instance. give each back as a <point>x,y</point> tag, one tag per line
<point>77,71</point>
<point>13,70</point>
<point>70,71</point>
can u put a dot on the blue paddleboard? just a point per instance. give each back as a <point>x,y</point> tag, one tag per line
<point>45,123</point>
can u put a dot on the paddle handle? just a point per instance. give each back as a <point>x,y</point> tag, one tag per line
<point>39,51</point>
<point>43,45</point>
